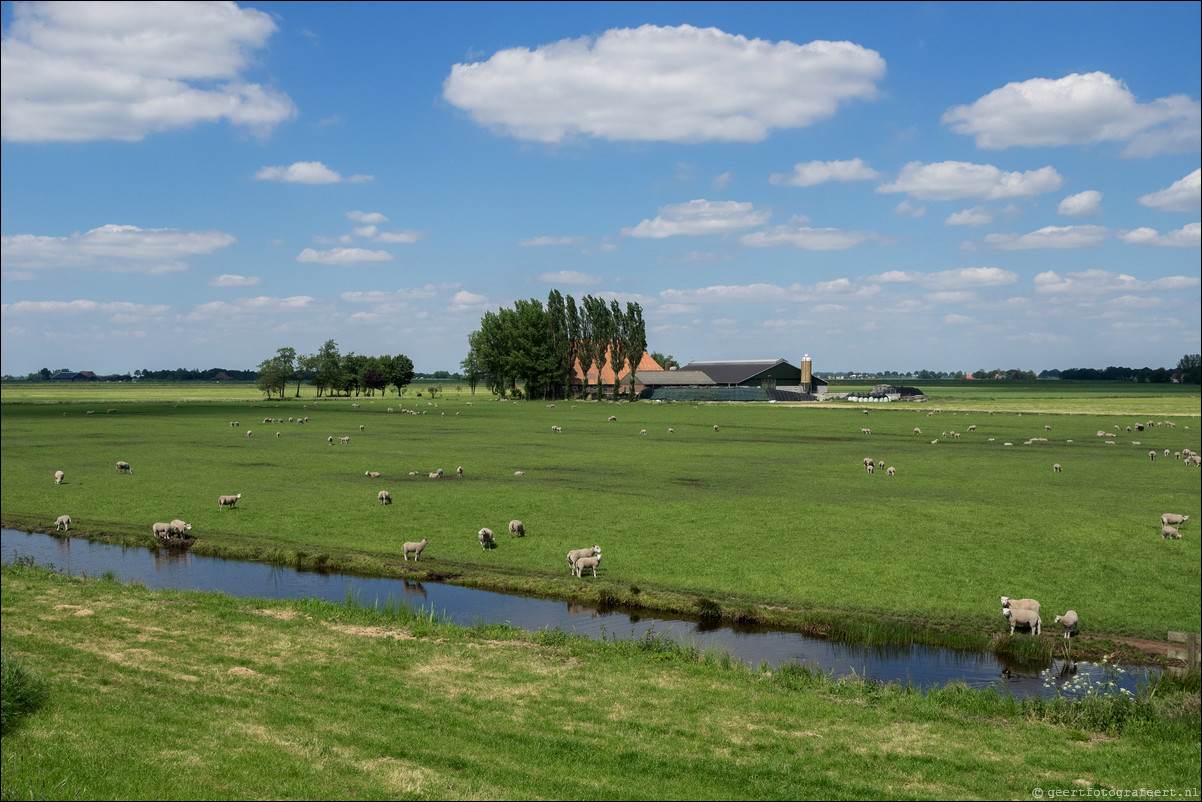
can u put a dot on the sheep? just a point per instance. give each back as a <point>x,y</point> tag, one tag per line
<point>917,430</point>
<point>372,474</point>
<point>124,466</point>
<point>249,432</point>
<point>63,522</point>
<point>715,427</point>
<point>865,431</point>
<point>1056,467</point>
<point>613,418</point>
<point>485,537</point>
<point>517,529</point>
<point>384,497</point>
<point>344,440</point>
<point>1020,604</point>
<point>1151,456</point>
<point>870,468</point>
<point>330,439</point>
<point>1069,622</point>
<point>587,562</point>
<point>1173,519</point>
<point>1018,616</point>
<point>58,477</point>
<point>642,431</point>
<point>228,501</point>
<point>519,473</point>
<point>576,554</point>
<point>671,431</point>
<point>1170,532</point>
<point>972,428</point>
<point>890,471</point>
<point>868,461</point>
<point>178,527</point>
<point>459,472</point>
<point>416,549</point>
<point>161,529</point>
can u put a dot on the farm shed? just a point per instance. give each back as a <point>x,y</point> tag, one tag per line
<point>741,380</point>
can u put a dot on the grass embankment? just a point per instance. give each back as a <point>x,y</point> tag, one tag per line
<point>769,519</point>
<point>170,695</point>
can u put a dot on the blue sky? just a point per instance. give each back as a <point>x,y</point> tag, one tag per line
<point>884,186</point>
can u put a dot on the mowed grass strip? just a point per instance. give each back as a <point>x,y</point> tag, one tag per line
<point>773,511</point>
<point>163,694</point>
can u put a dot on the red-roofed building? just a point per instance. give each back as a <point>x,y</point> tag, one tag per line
<point>645,365</point>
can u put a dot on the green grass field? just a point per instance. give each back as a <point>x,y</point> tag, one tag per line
<point>772,517</point>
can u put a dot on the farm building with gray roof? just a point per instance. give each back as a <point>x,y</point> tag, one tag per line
<point>740,380</point>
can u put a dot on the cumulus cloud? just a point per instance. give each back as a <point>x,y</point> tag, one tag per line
<point>115,248</point>
<point>699,218</point>
<point>808,174</point>
<point>807,238</point>
<point>1099,282</point>
<point>247,307</point>
<point>1051,237</point>
<point>308,173</point>
<point>464,301</point>
<point>230,280</point>
<point>569,277</point>
<point>1181,196</point>
<point>1083,204</point>
<point>343,256</point>
<point>976,216</point>
<point>963,277</point>
<point>674,84</point>
<point>841,288</point>
<point>1077,110</point>
<point>368,218</point>
<point>952,180</point>
<point>405,237</point>
<point>1189,236</point>
<point>122,309</point>
<point>907,209</point>
<point>536,242</point>
<point>77,72</point>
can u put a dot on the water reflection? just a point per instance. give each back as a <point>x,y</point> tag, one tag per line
<point>922,666</point>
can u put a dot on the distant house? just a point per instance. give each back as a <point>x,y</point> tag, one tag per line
<point>583,384</point>
<point>72,376</point>
<point>222,377</point>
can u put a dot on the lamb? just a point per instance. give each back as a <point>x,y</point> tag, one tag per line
<point>1018,616</point>
<point>1020,604</point>
<point>372,474</point>
<point>249,432</point>
<point>485,537</point>
<point>613,418</point>
<point>459,472</point>
<point>868,461</point>
<point>1151,456</point>
<point>642,431</point>
<point>1056,467</point>
<point>1069,622</point>
<point>517,529</point>
<point>415,549</point>
<point>519,473</point>
<point>124,466</point>
<point>228,501</point>
<point>1173,519</point>
<point>58,477</point>
<point>587,562</point>
<point>161,530</point>
<point>870,468</point>
<point>1170,532</point>
<point>384,497</point>
<point>890,471</point>
<point>63,522</point>
<point>865,431</point>
<point>576,554</point>
<point>917,430</point>
<point>178,527</point>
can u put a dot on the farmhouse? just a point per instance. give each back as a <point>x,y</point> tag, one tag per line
<point>582,384</point>
<point>740,380</point>
<point>72,376</point>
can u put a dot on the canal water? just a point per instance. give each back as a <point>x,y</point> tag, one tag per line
<point>923,666</point>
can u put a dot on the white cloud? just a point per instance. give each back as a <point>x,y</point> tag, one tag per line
<point>699,218</point>
<point>808,174</point>
<point>77,72</point>
<point>963,277</point>
<point>1076,110</point>
<point>343,256</point>
<point>114,248</point>
<point>81,306</point>
<point>405,237</point>
<point>807,238</point>
<point>907,209</point>
<point>464,301</point>
<point>1099,282</point>
<point>1189,236</point>
<point>838,289</point>
<point>1083,204</point>
<point>367,218</point>
<point>976,216</point>
<point>721,182</point>
<point>248,308</point>
<point>569,277</point>
<point>1051,237</point>
<point>952,180</point>
<point>536,242</point>
<point>230,280</point>
<point>308,173</point>
<point>675,84</point>
<point>1181,196</point>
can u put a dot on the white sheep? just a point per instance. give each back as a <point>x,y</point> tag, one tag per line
<point>372,474</point>
<point>1069,622</point>
<point>124,467</point>
<point>519,473</point>
<point>1151,456</point>
<point>1173,519</point>
<point>1056,467</point>
<point>228,501</point>
<point>63,523</point>
<point>870,468</point>
<point>249,432</point>
<point>178,527</point>
<point>890,471</point>
<point>715,427</point>
<point>384,497</point>
<point>1020,604</point>
<point>587,562</point>
<point>485,537</point>
<point>576,554</point>
<point>642,431</point>
<point>517,529</point>
<point>415,549</point>
<point>58,477</point>
<point>1170,532</point>
<point>1018,616</point>
<point>613,418</point>
<point>161,530</point>
<point>459,472</point>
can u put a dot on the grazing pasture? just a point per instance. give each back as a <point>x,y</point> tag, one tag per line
<point>772,512</point>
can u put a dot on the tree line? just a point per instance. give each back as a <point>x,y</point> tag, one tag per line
<point>331,372</point>
<point>539,346</point>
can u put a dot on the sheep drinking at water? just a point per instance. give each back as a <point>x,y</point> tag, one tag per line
<point>63,523</point>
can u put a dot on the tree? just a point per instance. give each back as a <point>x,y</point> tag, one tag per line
<point>400,371</point>
<point>1189,369</point>
<point>666,362</point>
<point>326,366</point>
<point>272,377</point>
<point>286,357</point>
<point>596,341</point>
<point>472,370</point>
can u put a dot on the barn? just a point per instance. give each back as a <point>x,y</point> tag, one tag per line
<point>739,380</point>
